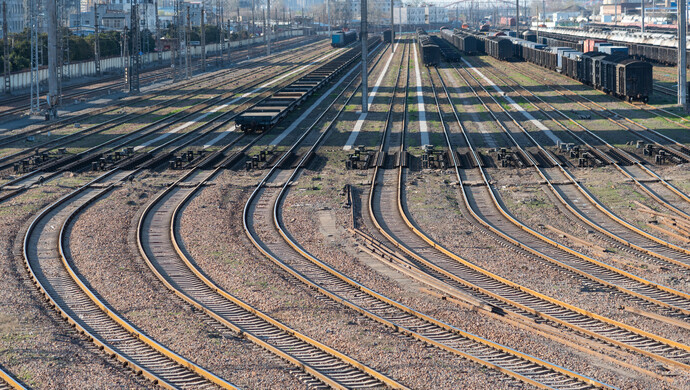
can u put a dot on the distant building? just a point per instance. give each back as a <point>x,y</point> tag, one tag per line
<point>420,15</point>
<point>15,16</point>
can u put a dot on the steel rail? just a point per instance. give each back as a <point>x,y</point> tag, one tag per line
<point>9,381</point>
<point>79,321</point>
<point>669,343</point>
<point>244,328</point>
<point>153,74</point>
<point>513,369</point>
<point>149,110</point>
<point>130,137</point>
<point>680,153</point>
<point>667,297</point>
<point>608,213</point>
<point>444,336</point>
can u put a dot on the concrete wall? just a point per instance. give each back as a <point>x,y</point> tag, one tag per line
<point>115,65</point>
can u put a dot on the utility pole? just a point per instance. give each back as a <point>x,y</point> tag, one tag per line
<point>144,29</point>
<point>51,11</point>
<point>203,40</point>
<point>253,23</point>
<point>35,88</point>
<point>392,29</point>
<point>125,55</point>
<point>159,49</point>
<point>6,50</point>
<point>268,30</point>
<point>682,59</point>
<point>96,43</point>
<point>642,28</point>
<point>188,48</point>
<point>219,24</point>
<point>328,11</point>
<point>363,37</point>
<point>517,18</point>
<point>134,64</point>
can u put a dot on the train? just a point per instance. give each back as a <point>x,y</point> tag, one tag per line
<point>270,111</point>
<point>343,38</point>
<point>615,72</point>
<point>431,53</point>
<point>659,48</point>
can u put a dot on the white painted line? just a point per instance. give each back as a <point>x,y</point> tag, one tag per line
<point>486,134</point>
<point>518,107</point>
<point>220,136</point>
<point>233,101</point>
<point>360,121</point>
<point>306,113</point>
<point>423,129</point>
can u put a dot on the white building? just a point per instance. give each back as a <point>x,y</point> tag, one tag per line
<point>420,15</point>
<point>15,16</point>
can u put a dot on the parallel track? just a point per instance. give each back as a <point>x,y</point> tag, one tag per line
<point>50,266</point>
<point>24,182</point>
<point>552,251</point>
<point>589,210</point>
<point>639,130</point>
<point>293,258</point>
<point>142,113</point>
<point>160,246</point>
<point>485,207</point>
<point>151,76</point>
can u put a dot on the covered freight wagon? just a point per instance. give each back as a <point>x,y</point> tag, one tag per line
<point>343,38</point>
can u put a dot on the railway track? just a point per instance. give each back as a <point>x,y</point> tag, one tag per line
<point>483,204</point>
<point>7,382</point>
<point>48,262</point>
<point>160,247</point>
<point>548,249</point>
<point>263,208</point>
<point>151,76</point>
<point>661,141</point>
<point>589,210</point>
<point>127,117</point>
<point>14,187</point>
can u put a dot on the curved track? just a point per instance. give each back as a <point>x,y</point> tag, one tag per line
<point>285,252</point>
<point>49,264</point>
<point>588,209</point>
<point>160,247</point>
<point>485,208</point>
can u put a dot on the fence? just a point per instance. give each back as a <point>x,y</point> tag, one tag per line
<point>113,65</point>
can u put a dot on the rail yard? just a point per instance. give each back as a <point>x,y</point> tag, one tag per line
<point>503,213</point>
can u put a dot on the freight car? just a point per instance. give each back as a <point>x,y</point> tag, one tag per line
<point>659,48</point>
<point>616,73</point>
<point>343,38</point>
<point>268,112</point>
<point>465,42</point>
<point>431,53</point>
<point>499,47</point>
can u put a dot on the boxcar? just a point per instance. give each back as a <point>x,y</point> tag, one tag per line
<point>343,38</point>
<point>634,79</point>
